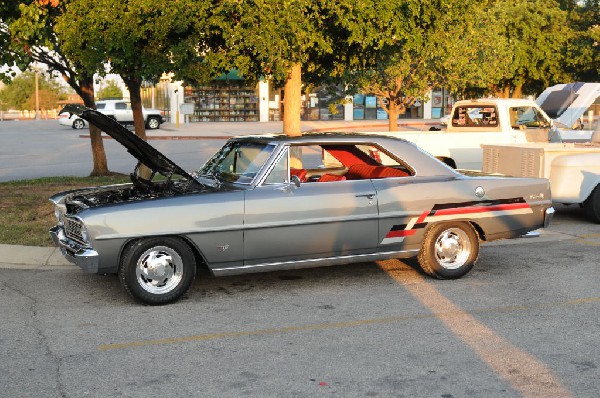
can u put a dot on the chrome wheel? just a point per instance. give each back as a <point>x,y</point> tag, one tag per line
<point>452,248</point>
<point>159,270</point>
<point>78,124</point>
<point>449,250</point>
<point>153,123</point>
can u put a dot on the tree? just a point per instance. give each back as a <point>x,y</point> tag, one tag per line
<point>27,35</point>
<point>20,92</point>
<point>111,90</point>
<point>272,39</point>
<point>401,50</point>
<point>537,33</point>
<point>583,57</point>
<point>138,39</point>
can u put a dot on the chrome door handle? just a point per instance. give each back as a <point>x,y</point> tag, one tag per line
<point>369,196</point>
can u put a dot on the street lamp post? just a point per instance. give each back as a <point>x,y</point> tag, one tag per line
<point>37,93</point>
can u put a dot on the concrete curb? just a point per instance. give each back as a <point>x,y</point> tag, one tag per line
<point>16,256</point>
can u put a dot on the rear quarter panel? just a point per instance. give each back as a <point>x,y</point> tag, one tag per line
<point>508,208</point>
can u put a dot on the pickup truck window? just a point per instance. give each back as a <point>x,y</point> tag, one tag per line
<point>524,117</point>
<point>472,116</point>
<point>122,105</point>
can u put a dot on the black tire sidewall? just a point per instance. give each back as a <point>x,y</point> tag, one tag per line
<point>427,258</point>
<point>149,122</point>
<point>130,257</point>
<point>592,205</point>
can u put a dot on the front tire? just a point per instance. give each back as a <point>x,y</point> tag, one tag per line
<point>449,250</point>
<point>78,124</point>
<point>592,205</point>
<point>153,122</point>
<point>157,270</point>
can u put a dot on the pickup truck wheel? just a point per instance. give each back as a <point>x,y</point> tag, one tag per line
<point>157,270</point>
<point>153,122</point>
<point>78,124</point>
<point>449,250</point>
<point>592,205</point>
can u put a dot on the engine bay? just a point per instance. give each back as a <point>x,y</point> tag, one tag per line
<point>138,189</point>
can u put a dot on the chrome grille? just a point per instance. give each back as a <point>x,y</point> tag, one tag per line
<point>73,230</point>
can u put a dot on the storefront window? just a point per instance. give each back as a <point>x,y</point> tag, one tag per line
<point>223,101</point>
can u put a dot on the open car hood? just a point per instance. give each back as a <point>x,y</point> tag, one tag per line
<point>140,149</point>
<point>566,103</point>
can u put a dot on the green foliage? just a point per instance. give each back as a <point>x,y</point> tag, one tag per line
<point>400,50</point>
<point>139,38</point>
<point>583,56</point>
<point>537,32</point>
<point>20,92</point>
<point>111,90</point>
<point>265,38</point>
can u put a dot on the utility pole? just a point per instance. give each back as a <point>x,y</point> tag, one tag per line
<point>37,92</point>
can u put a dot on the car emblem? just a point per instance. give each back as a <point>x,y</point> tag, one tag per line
<point>479,192</point>
<point>222,248</point>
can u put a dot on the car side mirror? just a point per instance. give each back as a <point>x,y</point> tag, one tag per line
<point>295,180</point>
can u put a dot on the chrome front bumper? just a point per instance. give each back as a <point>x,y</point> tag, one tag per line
<point>548,216</point>
<point>85,258</point>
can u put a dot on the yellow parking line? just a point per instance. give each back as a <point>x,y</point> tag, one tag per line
<point>522,371</point>
<point>214,336</point>
<point>589,239</point>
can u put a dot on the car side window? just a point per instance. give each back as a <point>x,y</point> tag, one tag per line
<point>279,173</point>
<point>336,162</point>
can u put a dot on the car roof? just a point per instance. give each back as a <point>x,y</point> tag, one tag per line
<point>423,162</point>
<point>309,137</point>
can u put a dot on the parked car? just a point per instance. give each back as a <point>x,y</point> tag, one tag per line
<point>273,202</point>
<point>71,120</point>
<point>120,110</point>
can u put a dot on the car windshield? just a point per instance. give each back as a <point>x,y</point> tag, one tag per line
<point>236,162</point>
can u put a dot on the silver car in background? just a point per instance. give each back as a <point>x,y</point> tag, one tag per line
<point>275,202</point>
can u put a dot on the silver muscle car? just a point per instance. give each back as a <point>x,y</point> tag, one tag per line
<point>274,202</point>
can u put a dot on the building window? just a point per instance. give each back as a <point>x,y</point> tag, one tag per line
<point>223,101</point>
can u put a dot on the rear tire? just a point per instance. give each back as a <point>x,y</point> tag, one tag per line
<point>153,122</point>
<point>449,250</point>
<point>157,270</point>
<point>592,205</point>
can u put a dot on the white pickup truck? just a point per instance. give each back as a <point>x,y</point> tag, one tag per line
<point>122,112</point>
<point>572,168</point>
<point>517,138</point>
<point>473,123</point>
<point>117,109</point>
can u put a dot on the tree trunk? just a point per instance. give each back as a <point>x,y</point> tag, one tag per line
<point>518,91</point>
<point>98,153</point>
<point>135,94</point>
<point>393,113</point>
<point>292,101</point>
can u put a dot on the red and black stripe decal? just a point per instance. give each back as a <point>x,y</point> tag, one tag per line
<point>457,211</point>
